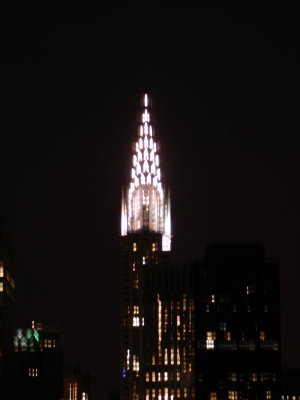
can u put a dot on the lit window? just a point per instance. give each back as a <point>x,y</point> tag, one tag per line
<point>147,376</point>
<point>136,310</point>
<point>165,376</point>
<point>134,246</point>
<point>172,356</point>
<point>147,394</point>
<point>213,299</point>
<point>159,376</point>
<point>153,376</point>
<point>178,376</point>
<point>268,395</point>
<point>135,363</point>
<point>232,395</point>
<point>166,356</point>
<point>33,372</point>
<point>213,396</point>
<point>250,289</point>
<point>166,393</point>
<point>262,336</point>
<point>223,326</point>
<point>227,335</point>
<point>178,356</point>
<point>128,358</point>
<point>1,286</point>
<point>266,308</point>
<point>1,269</point>
<point>84,396</point>
<point>210,340</point>
<point>253,377</point>
<point>144,260</point>
<point>154,247</point>
<point>232,376</point>
<point>136,282</point>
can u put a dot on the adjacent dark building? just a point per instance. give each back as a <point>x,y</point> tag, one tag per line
<point>36,366</point>
<point>77,384</point>
<point>237,324</point>
<point>7,301</point>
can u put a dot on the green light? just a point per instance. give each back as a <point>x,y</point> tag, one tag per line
<point>36,335</point>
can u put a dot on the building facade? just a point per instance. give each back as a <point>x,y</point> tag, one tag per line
<point>7,301</point>
<point>156,338</point>
<point>237,324</point>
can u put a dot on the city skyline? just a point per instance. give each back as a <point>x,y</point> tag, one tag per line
<point>223,82</point>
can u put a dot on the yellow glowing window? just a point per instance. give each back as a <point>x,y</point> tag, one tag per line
<point>178,376</point>
<point>165,376</point>
<point>211,335</point>
<point>232,395</point>
<point>268,394</point>
<point>134,246</point>
<point>159,376</point>
<point>213,396</point>
<point>178,393</point>
<point>184,303</point>
<point>147,376</point>
<point>166,356</point>
<point>1,286</point>
<point>253,377</point>
<point>178,356</point>
<point>1,269</point>
<point>227,336</point>
<point>262,335</point>
<point>153,376</point>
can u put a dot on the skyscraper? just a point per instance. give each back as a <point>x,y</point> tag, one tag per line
<point>237,324</point>
<point>156,342</point>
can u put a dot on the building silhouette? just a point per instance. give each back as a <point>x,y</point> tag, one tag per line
<point>237,324</point>
<point>36,366</point>
<point>156,342</point>
<point>7,301</point>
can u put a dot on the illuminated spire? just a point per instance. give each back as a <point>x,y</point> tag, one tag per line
<point>145,203</point>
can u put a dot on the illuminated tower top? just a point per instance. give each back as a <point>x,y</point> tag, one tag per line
<point>145,203</point>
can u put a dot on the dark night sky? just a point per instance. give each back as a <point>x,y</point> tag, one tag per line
<point>224,84</point>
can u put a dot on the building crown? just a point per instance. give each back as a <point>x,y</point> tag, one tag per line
<point>145,202</point>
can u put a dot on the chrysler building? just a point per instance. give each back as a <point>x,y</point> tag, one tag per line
<point>157,335</point>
